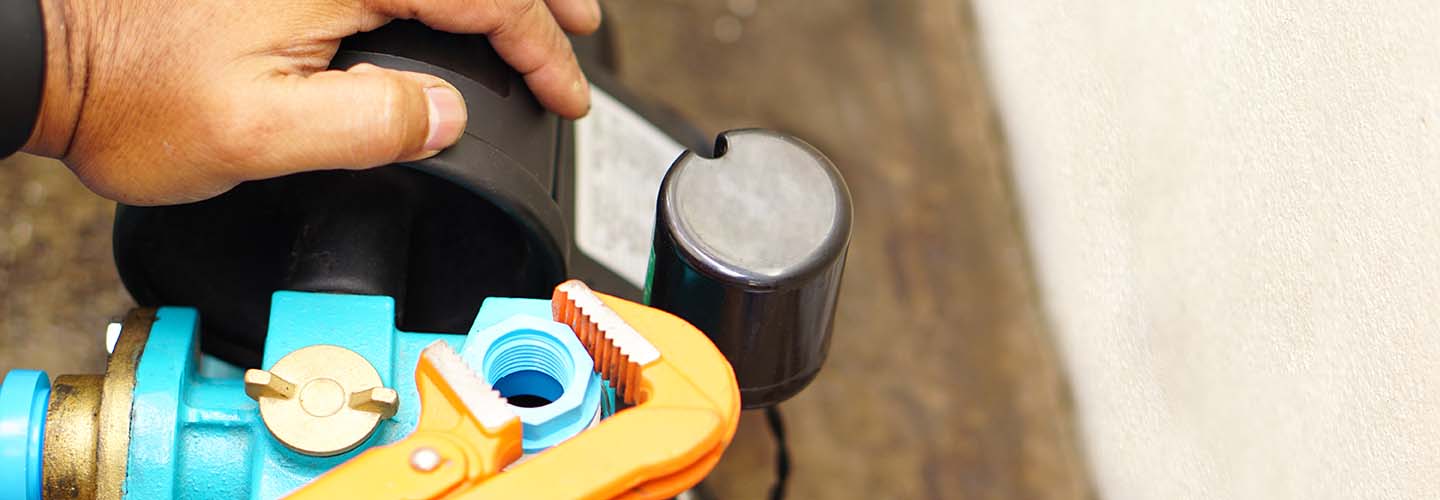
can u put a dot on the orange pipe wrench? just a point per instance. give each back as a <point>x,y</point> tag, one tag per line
<point>686,407</point>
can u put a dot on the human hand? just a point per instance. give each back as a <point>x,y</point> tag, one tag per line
<point>159,101</point>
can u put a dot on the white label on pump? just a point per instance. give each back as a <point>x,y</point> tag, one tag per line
<point>620,160</point>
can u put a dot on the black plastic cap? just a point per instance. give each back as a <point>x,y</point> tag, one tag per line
<point>750,247</point>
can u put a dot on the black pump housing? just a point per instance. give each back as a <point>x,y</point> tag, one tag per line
<point>480,219</point>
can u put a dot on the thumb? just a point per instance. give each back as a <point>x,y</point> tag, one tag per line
<point>363,117</point>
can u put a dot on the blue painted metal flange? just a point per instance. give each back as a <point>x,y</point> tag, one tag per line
<point>24,396</point>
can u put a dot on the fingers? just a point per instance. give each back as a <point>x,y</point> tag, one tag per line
<point>524,33</point>
<point>534,45</point>
<point>484,16</point>
<point>581,17</point>
<point>362,117</point>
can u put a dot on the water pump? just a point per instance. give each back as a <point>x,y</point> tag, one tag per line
<point>409,331</point>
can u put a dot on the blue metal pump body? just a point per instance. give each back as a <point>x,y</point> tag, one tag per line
<point>194,432</point>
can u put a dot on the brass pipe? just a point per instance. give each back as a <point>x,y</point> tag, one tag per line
<point>68,466</point>
<point>87,428</point>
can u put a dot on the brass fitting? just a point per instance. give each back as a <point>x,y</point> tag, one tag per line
<point>322,400</point>
<point>87,431</point>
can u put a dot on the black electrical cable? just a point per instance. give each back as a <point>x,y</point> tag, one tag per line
<point>782,452</point>
<point>22,71</point>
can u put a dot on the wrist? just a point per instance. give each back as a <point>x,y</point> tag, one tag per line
<point>67,67</point>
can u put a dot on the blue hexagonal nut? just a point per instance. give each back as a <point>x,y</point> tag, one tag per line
<point>545,374</point>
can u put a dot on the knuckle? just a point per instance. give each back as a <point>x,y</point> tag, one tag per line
<point>554,55</point>
<point>513,14</point>
<point>363,67</point>
<point>392,127</point>
<point>561,48</point>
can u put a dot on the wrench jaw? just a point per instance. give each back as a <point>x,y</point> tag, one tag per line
<point>691,383</point>
<point>619,351</point>
<point>472,412</point>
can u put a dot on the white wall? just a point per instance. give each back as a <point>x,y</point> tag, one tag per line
<point>1234,207</point>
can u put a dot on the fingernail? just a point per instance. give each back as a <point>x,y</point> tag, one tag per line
<point>447,117</point>
<point>422,156</point>
<point>581,88</point>
<point>595,11</point>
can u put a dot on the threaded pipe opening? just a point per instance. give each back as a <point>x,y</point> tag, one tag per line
<point>529,368</point>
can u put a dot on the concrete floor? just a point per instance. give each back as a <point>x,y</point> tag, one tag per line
<point>941,381</point>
